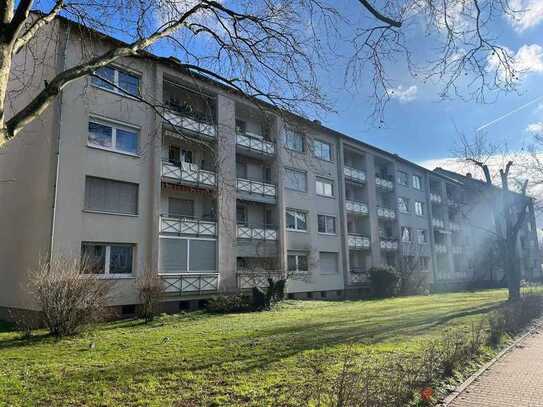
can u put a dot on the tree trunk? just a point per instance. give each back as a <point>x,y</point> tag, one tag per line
<point>512,271</point>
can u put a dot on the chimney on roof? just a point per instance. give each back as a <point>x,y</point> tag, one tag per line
<point>468,175</point>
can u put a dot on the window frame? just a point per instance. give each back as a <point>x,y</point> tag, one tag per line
<point>114,126</point>
<point>116,87</point>
<point>297,262</point>
<point>322,143</point>
<point>324,181</point>
<point>326,217</point>
<point>288,146</point>
<point>419,182</point>
<point>90,210</point>
<point>422,210</point>
<point>409,233</point>
<point>424,233</point>
<point>107,260</point>
<point>406,200</point>
<point>295,170</point>
<point>296,227</point>
<point>399,175</point>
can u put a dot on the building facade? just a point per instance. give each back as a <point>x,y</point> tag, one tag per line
<point>212,192</point>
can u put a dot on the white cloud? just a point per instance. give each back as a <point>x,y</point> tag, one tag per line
<point>535,128</point>
<point>526,14</point>
<point>403,95</point>
<point>528,59</point>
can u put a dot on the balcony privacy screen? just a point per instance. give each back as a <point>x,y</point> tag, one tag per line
<point>187,255</point>
<point>202,255</point>
<point>173,255</point>
<point>107,195</point>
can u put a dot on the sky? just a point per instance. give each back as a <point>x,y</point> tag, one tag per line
<point>422,128</point>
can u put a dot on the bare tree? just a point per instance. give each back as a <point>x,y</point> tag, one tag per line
<point>414,268</point>
<point>267,50</point>
<point>510,207</point>
<point>150,290</point>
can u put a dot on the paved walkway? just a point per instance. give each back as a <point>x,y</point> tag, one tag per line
<point>515,380</point>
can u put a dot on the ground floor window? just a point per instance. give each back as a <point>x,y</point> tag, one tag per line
<point>297,262</point>
<point>187,255</point>
<point>107,258</point>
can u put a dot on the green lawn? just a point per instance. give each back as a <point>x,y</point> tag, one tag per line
<point>199,359</point>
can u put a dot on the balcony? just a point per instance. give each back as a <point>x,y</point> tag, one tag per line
<point>388,244</point>
<point>386,213</point>
<point>191,123</point>
<point>249,279</point>
<point>187,226</point>
<point>188,174</point>
<point>256,232</point>
<point>358,242</point>
<point>454,227</point>
<point>189,283</point>
<point>438,223</point>
<point>255,146</point>
<point>354,174</point>
<point>435,198</point>
<point>440,248</point>
<point>457,249</point>
<point>356,207</point>
<point>384,183</point>
<point>256,191</point>
<point>358,275</point>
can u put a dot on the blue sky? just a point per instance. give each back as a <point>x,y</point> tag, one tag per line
<point>422,127</point>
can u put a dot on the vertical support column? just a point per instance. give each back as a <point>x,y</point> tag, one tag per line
<point>342,213</point>
<point>372,205</point>
<point>450,258</point>
<point>280,210</point>
<point>226,194</point>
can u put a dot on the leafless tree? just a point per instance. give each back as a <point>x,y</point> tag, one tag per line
<point>268,50</point>
<point>150,290</point>
<point>510,206</point>
<point>413,267</point>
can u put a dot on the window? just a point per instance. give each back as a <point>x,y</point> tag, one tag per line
<point>403,204</point>
<point>241,126</point>
<point>294,141</point>
<point>180,208</point>
<point>116,80</point>
<point>107,259</point>
<point>187,255</point>
<point>405,234</point>
<point>419,208</point>
<point>326,224</point>
<point>322,150</point>
<point>241,215</point>
<point>174,154</point>
<point>422,236</point>
<point>417,182</point>
<point>297,262</point>
<point>105,195</point>
<point>328,263</point>
<point>241,169</point>
<point>112,137</point>
<point>324,187</point>
<point>296,220</point>
<point>403,178</point>
<point>296,179</point>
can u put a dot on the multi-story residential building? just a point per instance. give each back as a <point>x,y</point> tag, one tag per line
<point>212,192</point>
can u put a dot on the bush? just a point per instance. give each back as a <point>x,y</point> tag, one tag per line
<point>69,298</point>
<point>225,304</point>
<point>149,287</point>
<point>384,281</point>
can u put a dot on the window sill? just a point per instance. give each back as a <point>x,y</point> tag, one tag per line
<point>326,196</point>
<point>324,160</point>
<point>296,230</point>
<point>327,234</point>
<point>296,190</point>
<point>112,276</point>
<point>112,150</point>
<point>115,92</point>
<point>110,213</point>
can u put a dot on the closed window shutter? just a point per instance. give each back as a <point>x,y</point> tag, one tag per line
<point>203,255</point>
<point>180,207</point>
<point>111,196</point>
<point>328,262</point>
<point>173,255</point>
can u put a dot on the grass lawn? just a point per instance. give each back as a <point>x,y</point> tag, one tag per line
<point>198,359</point>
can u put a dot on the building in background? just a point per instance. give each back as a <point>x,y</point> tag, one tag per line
<point>217,194</point>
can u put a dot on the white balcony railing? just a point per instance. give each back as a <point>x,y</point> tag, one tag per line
<point>436,198</point>
<point>388,244</point>
<point>257,233</point>
<point>256,144</point>
<point>191,283</point>
<point>384,183</point>
<point>438,223</point>
<point>250,279</point>
<point>440,248</point>
<point>356,207</point>
<point>386,213</point>
<point>358,275</point>
<point>187,226</point>
<point>457,249</point>
<point>257,187</point>
<point>358,242</point>
<point>454,227</point>
<point>354,174</point>
<point>189,174</point>
<point>190,123</point>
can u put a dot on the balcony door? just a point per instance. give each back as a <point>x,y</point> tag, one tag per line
<point>180,208</point>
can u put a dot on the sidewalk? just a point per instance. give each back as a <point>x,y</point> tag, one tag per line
<point>515,380</point>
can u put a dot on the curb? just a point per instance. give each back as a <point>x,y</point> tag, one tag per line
<point>462,387</point>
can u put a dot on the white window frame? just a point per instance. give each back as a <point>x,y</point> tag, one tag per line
<point>406,201</point>
<point>294,133</point>
<point>326,232</point>
<point>418,183</point>
<point>422,233</point>
<point>116,88</point>
<point>324,181</point>
<point>189,242</point>
<point>293,213</point>
<point>114,125</point>
<point>409,232</point>
<point>107,260</point>
<point>419,204</point>
<point>317,150</point>
<point>304,173</point>
<point>406,183</point>
<point>297,257</point>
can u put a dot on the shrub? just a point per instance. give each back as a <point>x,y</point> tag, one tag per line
<point>384,281</point>
<point>68,297</point>
<point>225,304</point>
<point>149,287</point>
